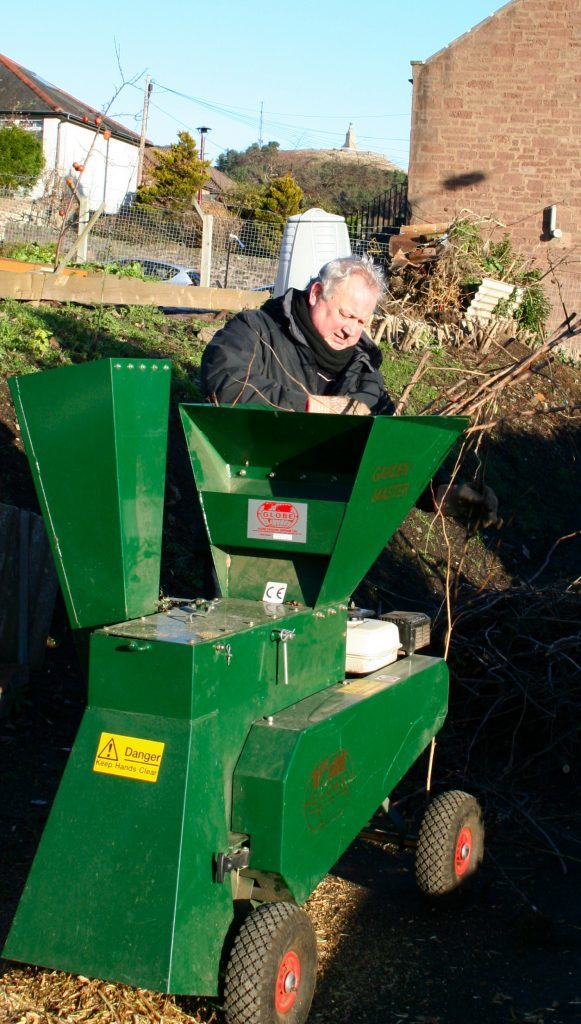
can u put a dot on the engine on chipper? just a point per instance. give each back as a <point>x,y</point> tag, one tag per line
<point>226,758</point>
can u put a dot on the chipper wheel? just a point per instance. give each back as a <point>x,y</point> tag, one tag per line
<point>450,843</point>
<point>271,973</point>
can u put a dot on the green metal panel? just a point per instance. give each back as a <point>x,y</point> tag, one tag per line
<point>96,435</point>
<point>308,781</point>
<point>122,886</point>
<point>349,481</point>
<point>401,456</point>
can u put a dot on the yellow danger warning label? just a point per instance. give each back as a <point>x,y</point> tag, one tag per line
<point>128,756</point>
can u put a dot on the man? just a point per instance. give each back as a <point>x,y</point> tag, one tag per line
<point>307,350</point>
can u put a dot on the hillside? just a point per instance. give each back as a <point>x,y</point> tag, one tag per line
<point>338,180</point>
<point>296,159</point>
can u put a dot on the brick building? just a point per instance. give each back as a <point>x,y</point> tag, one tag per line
<point>496,127</point>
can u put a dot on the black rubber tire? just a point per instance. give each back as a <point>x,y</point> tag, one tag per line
<point>271,937</point>
<point>450,844</point>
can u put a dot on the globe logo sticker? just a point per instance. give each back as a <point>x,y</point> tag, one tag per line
<point>277,520</point>
<point>278,515</point>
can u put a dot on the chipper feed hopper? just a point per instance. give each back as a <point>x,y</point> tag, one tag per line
<point>224,761</point>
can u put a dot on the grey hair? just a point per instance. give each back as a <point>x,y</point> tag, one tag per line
<point>343,267</point>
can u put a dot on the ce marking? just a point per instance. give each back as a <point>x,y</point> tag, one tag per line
<point>274,593</point>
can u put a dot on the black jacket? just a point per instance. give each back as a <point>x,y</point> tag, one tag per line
<point>262,356</point>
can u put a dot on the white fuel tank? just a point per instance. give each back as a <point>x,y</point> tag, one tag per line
<point>370,646</point>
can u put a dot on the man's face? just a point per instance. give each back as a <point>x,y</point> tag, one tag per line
<point>341,317</point>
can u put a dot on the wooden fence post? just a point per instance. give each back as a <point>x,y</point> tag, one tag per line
<point>206,258</point>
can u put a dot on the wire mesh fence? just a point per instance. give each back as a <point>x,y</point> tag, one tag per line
<point>240,253</point>
<point>376,248</point>
<point>25,218</point>
<point>243,253</point>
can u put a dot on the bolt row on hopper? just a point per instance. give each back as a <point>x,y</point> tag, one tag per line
<point>224,761</point>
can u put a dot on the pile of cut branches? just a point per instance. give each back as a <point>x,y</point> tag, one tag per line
<point>427,303</point>
<point>474,397</point>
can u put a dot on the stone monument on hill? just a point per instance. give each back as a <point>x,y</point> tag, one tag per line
<point>350,141</point>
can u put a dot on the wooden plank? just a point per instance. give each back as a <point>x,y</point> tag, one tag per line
<point>108,289</point>
<point>416,230</point>
<point>21,286</point>
<point>20,266</point>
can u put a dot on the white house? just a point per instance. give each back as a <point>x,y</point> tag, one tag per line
<point>72,133</point>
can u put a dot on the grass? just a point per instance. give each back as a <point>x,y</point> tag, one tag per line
<point>398,369</point>
<point>45,337</point>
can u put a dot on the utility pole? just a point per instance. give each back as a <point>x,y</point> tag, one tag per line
<point>260,123</point>
<point>202,132</point>
<point>148,89</point>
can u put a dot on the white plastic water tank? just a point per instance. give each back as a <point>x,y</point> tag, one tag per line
<point>309,241</point>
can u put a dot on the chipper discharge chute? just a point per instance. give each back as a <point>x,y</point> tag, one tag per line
<point>224,761</point>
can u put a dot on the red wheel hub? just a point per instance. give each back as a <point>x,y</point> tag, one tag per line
<point>463,852</point>
<point>287,982</point>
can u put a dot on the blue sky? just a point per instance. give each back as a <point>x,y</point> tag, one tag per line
<point>313,65</point>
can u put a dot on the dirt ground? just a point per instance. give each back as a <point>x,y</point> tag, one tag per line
<point>509,953</point>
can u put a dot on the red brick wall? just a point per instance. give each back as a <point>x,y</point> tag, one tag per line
<point>496,130</point>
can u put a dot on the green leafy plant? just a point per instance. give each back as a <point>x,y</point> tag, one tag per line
<point>41,341</point>
<point>478,259</point>
<point>466,237</point>
<point>535,308</point>
<point>428,341</point>
<point>126,270</point>
<point>21,158</point>
<point>501,259</point>
<point>31,252</point>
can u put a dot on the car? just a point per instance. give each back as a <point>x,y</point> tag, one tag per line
<point>264,288</point>
<point>169,273</point>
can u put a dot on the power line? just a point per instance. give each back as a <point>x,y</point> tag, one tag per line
<point>294,135</point>
<point>275,113</point>
<point>235,113</point>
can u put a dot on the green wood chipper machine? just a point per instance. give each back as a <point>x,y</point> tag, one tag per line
<point>226,757</point>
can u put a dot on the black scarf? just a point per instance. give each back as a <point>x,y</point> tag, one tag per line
<point>327,358</point>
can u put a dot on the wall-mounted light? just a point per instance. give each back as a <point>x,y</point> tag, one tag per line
<point>554,231</point>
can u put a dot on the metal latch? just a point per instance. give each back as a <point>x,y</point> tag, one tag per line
<point>226,648</point>
<point>282,637</point>
<point>233,861</point>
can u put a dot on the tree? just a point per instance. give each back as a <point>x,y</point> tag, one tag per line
<point>21,158</point>
<point>272,205</point>
<point>281,199</point>
<point>256,164</point>
<point>244,199</point>
<point>343,186</point>
<point>177,176</point>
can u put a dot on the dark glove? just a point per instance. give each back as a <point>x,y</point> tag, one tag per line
<point>466,500</point>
